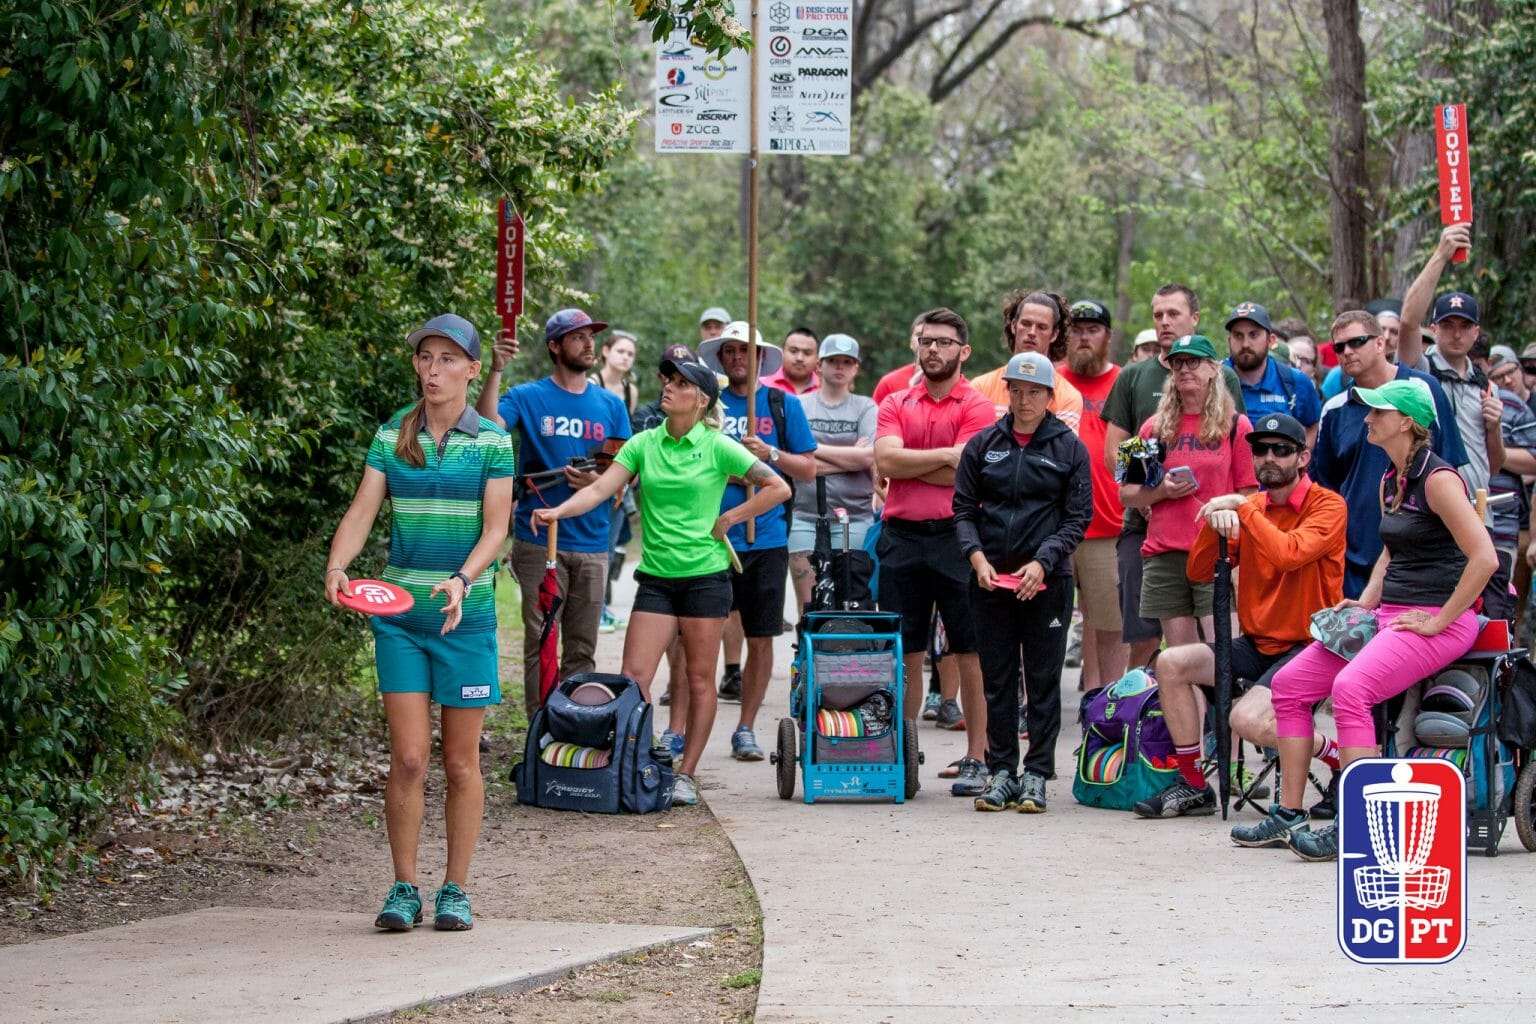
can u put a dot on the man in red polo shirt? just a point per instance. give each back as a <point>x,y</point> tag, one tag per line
<point>919,435</point>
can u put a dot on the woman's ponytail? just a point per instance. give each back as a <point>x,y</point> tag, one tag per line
<point>408,444</point>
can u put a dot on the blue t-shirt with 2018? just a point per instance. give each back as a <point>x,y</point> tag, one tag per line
<point>555,426</point>
<point>772,530</point>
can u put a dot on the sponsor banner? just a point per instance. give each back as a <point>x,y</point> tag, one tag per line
<point>509,267</point>
<point>1402,870</point>
<point>1455,170</point>
<point>703,104</point>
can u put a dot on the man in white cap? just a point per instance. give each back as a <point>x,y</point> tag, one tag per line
<point>1145,346</point>
<point>782,438</point>
<point>843,424</point>
<point>711,322</point>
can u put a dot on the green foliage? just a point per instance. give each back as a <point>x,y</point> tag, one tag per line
<point>216,227</point>
<point>712,24</point>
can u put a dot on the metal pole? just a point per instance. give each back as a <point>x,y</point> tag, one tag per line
<point>751,428</point>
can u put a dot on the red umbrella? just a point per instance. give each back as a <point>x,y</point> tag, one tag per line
<point>549,635</point>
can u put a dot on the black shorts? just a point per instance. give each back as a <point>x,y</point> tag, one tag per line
<point>921,567</point>
<point>1133,628</point>
<point>1252,667</point>
<point>757,592</point>
<point>685,597</point>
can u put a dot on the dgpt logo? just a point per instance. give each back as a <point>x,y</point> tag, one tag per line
<point>1402,873</point>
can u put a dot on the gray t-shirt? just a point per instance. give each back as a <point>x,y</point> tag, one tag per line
<point>1465,393</point>
<point>847,423</point>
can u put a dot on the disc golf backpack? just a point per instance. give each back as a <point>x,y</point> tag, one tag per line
<point>584,756</point>
<point>1126,755</point>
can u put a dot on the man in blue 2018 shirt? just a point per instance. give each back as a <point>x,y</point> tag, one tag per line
<point>1344,461</point>
<point>559,418</point>
<point>759,587</point>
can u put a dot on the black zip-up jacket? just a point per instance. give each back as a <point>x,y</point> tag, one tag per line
<point>1020,504</point>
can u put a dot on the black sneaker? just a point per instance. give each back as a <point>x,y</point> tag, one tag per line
<point>972,780</point>
<point>1327,808</point>
<point>1001,794</point>
<point>730,686</point>
<point>950,716</point>
<point>1178,800</point>
<point>1032,794</point>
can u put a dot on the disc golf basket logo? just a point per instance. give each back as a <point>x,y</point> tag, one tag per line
<point>1401,817</point>
<point>1402,861</point>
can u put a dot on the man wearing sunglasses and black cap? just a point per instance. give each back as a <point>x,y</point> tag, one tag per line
<point>1344,461</point>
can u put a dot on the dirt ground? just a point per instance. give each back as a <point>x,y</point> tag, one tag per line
<point>295,830</point>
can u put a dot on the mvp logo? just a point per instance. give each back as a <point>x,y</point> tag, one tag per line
<point>1402,873</point>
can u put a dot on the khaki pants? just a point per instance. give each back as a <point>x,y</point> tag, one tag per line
<point>581,574</point>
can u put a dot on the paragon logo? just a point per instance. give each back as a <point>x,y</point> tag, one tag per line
<point>823,72</point>
<point>1402,874</point>
<point>717,115</point>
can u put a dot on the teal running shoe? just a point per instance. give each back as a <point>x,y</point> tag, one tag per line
<point>402,908</point>
<point>450,908</point>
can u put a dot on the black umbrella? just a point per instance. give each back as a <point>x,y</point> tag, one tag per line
<point>1221,611</point>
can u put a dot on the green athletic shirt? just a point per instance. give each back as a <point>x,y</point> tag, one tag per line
<point>684,480</point>
<point>1133,400</point>
<point>436,516</point>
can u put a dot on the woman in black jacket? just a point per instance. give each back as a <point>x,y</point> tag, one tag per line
<point>1023,499</point>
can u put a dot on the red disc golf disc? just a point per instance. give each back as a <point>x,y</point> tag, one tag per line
<point>1006,581</point>
<point>375,597</point>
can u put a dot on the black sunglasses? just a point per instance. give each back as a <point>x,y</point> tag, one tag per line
<point>1529,368</point>
<point>1279,448</point>
<point>1356,342</point>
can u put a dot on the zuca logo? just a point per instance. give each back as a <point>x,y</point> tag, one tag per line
<point>1402,861</point>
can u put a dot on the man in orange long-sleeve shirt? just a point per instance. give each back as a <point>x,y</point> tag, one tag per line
<point>1289,541</point>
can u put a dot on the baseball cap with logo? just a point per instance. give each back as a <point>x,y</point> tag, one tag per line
<point>1500,354</point>
<point>838,345</point>
<point>1250,311</point>
<point>695,373</point>
<point>568,320</point>
<point>1193,345</point>
<point>1410,397</point>
<point>1278,424</point>
<point>455,328</point>
<point>678,353</point>
<point>1031,368</point>
<point>1089,311</point>
<point>1454,304</point>
<point>714,313</point>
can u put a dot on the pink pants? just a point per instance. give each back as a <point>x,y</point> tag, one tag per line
<point>1393,661</point>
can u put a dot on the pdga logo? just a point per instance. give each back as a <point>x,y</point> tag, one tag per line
<point>1402,874</point>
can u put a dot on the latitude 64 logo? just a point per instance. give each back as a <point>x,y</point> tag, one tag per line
<point>1402,872</point>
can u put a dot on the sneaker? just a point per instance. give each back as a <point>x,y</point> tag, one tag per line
<point>1177,800</point>
<point>402,908</point>
<point>1002,793</point>
<point>606,624</point>
<point>674,742</point>
<point>744,745</point>
<point>685,792</point>
<point>931,707</point>
<point>972,780</point>
<point>665,699</point>
<point>450,909</point>
<point>1315,846</point>
<point>1274,830</point>
<point>1327,808</point>
<point>1032,794</point>
<point>730,686</point>
<point>1242,779</point>
<point>950,716</point>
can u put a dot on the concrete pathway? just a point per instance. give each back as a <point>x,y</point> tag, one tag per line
<point>932,911</point>
<point>298,967</point>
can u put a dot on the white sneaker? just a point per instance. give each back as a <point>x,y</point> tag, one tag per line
<point>685,792</point>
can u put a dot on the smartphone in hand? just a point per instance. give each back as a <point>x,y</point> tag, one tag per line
<point>1183,475</point>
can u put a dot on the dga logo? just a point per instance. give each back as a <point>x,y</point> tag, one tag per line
<point>779,46</point>
<point>824,33</point>
<point>1448,117</point>
<point>1402,861</point>
<point>676,77</point>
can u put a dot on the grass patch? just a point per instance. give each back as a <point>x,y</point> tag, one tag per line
<point>746,979</point>
<point>610,997</point>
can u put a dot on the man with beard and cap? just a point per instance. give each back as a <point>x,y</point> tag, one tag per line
<point>781,437</point>
<point>559,418</point>
<point>1268,385</point>
<point>920,434</point>
<point>1093,563</point>
<point>1288,541</point>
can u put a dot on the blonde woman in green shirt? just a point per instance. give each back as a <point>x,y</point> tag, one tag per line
<point>684,574</point>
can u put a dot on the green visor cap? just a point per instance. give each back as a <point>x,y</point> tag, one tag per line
<point>1409,397</point>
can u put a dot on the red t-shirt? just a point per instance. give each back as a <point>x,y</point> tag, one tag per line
<point>1107,510</point>
<point>898,379</point>
<point>1219,469</point>
<point>923,422</point>
<point>1023,439</point>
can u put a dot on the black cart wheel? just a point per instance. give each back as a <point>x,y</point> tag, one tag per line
<point>1525,806</point>
<point>786,763</point>
<point>910,757</point>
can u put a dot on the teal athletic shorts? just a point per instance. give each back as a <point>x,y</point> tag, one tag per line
<point>458,670</point>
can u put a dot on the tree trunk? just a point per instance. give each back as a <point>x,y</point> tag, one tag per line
<point>1346,159</point>
<point>1418,152</point>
